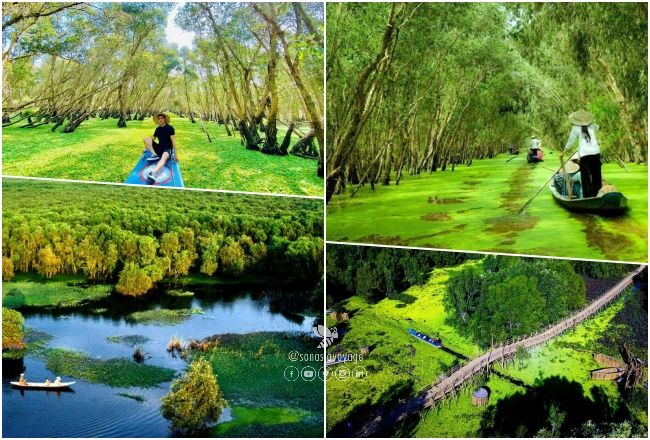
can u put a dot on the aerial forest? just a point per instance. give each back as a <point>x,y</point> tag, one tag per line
<point>423,87</point>
<point>252,68</point>
<point>135,239</point>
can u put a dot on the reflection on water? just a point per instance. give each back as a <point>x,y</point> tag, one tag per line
<point>95,410</point>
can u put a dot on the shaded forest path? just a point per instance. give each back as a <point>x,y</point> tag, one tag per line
<point>449,384</point>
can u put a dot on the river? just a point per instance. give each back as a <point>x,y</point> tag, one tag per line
<point>95,410</point>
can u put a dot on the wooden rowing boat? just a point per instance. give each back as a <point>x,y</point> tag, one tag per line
<point>534,157</point>
<point>611,202</point>
<point>429,340</point>
<point>43,385</point>
<point>608,361</point>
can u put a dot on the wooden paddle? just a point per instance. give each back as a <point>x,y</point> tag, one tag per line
<point>544,185</point>
<point>516,155</point>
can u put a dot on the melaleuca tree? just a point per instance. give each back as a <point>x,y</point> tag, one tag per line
<point>194,400</point>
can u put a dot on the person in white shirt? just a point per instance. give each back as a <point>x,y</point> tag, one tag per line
<point>535,150</point>
<point>535,143</point>
<point>584,131</point>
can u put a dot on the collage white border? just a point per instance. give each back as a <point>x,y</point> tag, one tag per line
<point>326,242</point>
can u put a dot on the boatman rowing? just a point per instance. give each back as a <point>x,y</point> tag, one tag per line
<point>584,131</point>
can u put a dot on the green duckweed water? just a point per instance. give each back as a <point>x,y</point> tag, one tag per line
<point>568,356</point>
<point>272,420</point>
<point>399,365</point>
<point>98,150</point>
<point>475,209</point>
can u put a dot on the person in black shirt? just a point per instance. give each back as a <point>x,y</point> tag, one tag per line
<point>162,150</point>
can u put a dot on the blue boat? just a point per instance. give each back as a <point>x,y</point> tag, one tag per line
<point>429,340</point>
<point>170,175</point>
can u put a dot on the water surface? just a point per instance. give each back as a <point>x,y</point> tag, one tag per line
<point>95,410</point>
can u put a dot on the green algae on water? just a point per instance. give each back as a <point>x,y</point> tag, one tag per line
<point>491,193</point>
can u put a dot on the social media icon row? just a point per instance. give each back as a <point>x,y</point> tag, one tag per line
<point>344,373</point>
<point>308,374</point>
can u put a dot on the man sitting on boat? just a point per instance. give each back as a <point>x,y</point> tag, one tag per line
<point>57,381</point>
<point>573,172</point>
<point>535,149</point>
<point>164,149</point>
<point>22,379</point>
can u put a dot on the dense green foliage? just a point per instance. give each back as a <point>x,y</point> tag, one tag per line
<point>194,399</point>
<point>377,273</point>
<point>509,297</point>
<point>422,87</point>
<point>118,372</point>
<point>555,407</point>
<point>12,332</point>
<point>612,271</point>
<point>142,236</point>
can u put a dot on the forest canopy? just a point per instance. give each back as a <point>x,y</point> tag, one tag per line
<point>139,237</point>
<point>491,300</point>
<point>508,297</point>
<point>251,67</point>
<point>419,87</point>
<point>378,273</point>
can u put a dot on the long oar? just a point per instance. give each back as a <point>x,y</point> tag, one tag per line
<point>543,186</point>
<point>516,155</point>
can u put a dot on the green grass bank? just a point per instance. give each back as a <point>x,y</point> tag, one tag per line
<point>100,151</point>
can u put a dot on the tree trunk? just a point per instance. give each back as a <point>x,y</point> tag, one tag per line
<point>58,120</point>
<point>360,110</point>
<point>271,140</point>
<point>388,164</point>
<point>284,148</point>
<point>309,104</point>
<point>305,146</point>
<point>74,123</point>
<point>249,137</point>
<point>12,123</point>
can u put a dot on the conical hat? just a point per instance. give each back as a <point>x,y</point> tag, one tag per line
<point>571,167</point>
<point>581,117</point>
